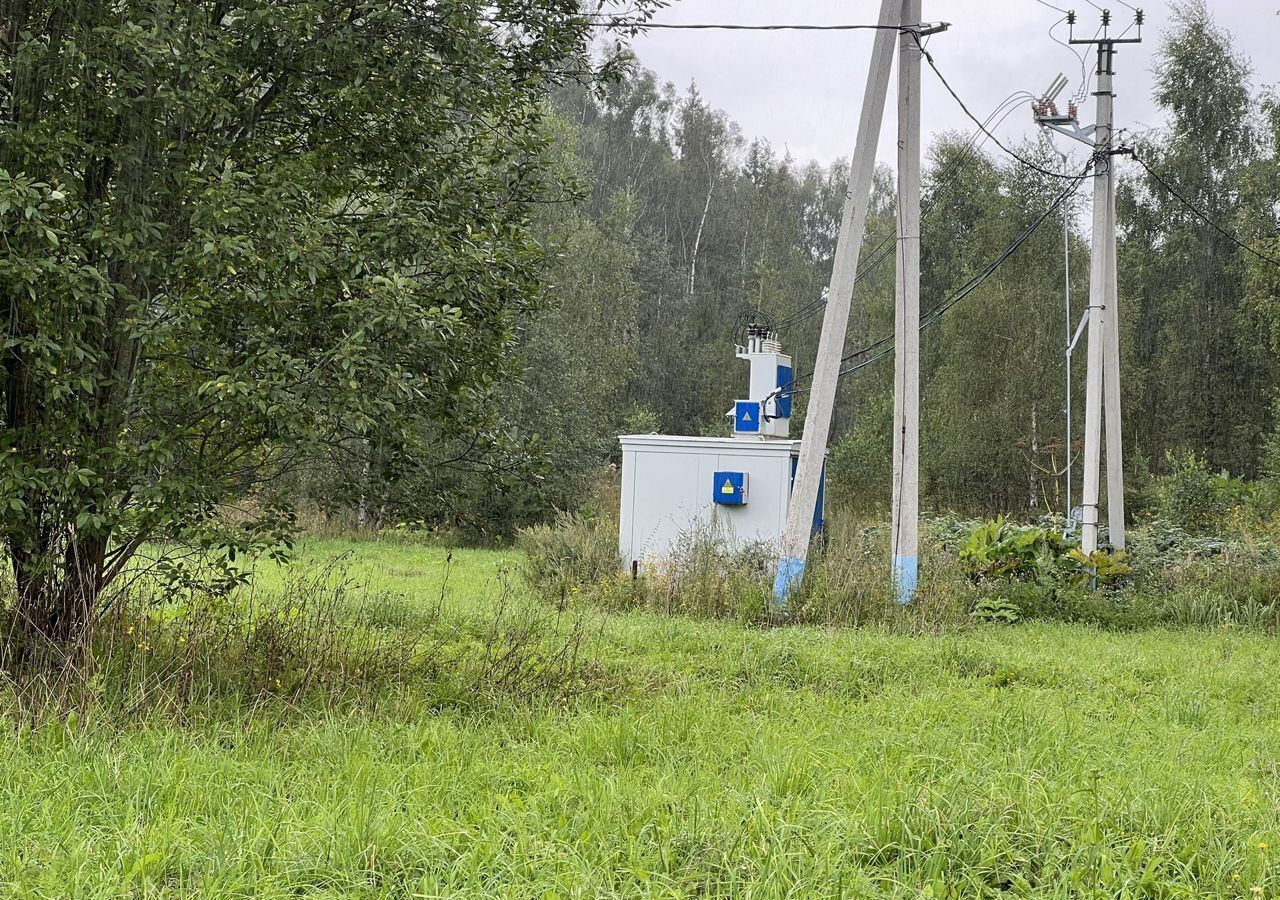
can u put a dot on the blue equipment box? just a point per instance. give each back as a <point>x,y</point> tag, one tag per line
<point>730,488</point>
<point>746,417</point>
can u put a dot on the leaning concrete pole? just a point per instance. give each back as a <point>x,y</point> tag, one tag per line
<point>905,522</point>
<point>826,372</point>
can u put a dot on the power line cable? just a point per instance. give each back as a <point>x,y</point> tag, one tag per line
<point>1087,83</point>
<point>1074,52</point>
<point>1026,162</point>
<point>940,309</point>
<point>879,255</point>
<point>728,26</point>
<point>937,312</point>
<point>1203,216</point>
<point>1101,9</point>
<point>882,250</point>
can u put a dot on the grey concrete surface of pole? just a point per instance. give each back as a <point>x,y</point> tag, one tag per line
<point>835,321</point>
<point>905,521</point>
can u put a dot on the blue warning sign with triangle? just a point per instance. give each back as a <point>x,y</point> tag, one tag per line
<point>730,488</point>
<point>746,416</point>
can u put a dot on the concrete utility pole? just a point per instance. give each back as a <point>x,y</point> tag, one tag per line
<point>1111,380</point>
<point>1102,385</point>
<point>1098,259</point>
<point>906,366</point>
<point>835,320</point>
<point>1068,524</point>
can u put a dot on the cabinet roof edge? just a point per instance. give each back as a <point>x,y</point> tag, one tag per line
<point>682,442</point>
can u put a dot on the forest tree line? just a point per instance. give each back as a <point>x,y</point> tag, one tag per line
<point>407,262</point>
<point>685,225</point>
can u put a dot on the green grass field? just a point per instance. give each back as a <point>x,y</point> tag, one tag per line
<point>702,760</point>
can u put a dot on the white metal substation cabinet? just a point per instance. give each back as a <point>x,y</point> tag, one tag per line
<point>674,487</point>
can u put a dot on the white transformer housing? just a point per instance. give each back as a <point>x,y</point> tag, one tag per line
<point>767,411</point>
<point>674,487</point>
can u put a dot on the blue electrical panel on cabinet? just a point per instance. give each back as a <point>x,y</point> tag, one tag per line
<point>784,396</point>
<point>730,488</point>
<point>746,417</point>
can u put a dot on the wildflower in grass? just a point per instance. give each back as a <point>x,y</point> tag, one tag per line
<point>1262,845</point>
<point>1256,890</point>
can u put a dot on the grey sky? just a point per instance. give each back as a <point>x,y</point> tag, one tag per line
<point>801,90</point>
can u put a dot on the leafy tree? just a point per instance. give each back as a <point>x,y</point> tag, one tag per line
<point>1260,225</point>
<point>992,423</point>
<point>1201,373</point>
<point>580,354</point>
<point>239,231</point>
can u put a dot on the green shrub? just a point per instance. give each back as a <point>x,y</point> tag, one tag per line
<point>1000,549</point>
<point>859,467</point>
<point>1030,571</point>
<point>574,551</point>
<point>1195,499</point>
<point>999,610</point>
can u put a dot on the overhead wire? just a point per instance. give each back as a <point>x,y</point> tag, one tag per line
<point>1089,73</point>
<point>1084,74</point>
<point>641,25</point>
<point>1200,214</point>
<point>936,312</point>
<point>928,57</point>
<point>1102,9</point>
<point>882,250</point>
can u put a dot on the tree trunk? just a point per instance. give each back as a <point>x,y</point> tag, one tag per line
<point>1033,500</point>
<point>57,600</point>
<point>697,237</point>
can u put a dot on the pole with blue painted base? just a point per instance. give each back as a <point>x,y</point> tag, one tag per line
<point>906,320</point>
<point>835,321</point>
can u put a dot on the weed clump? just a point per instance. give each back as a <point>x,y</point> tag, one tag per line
<point>564,556</point>
<point>320,640</point>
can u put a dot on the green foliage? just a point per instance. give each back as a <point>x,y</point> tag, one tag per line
<point>1197,500</point>
<point>860,463</point>
<point>1000,549</point>
<point>246,235</point>
<point>1039,761</point>
<point>1200,362</point>
<point>640,419</point>
<point>1031,571</point>
<point>568,554</point>
<point>996,610</point>
<point>326,631</point>
<point>719,224</point>
<point>707,576</point>
<point>1096,568</point>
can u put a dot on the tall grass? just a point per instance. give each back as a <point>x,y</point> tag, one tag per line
<point>707,575</point>
<point>1044,761</point>
<point>1178,580</point>
<point>315,636</point>
<point>456,737</point>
